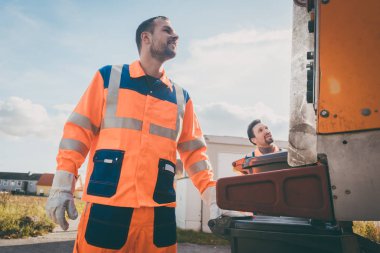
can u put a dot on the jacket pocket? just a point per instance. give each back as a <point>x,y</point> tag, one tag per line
<point>164,232</point>
<point>164,191</point>
<point>106,173</point>
<point>108,226</point>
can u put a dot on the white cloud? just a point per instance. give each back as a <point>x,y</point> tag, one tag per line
<point>64,107</point>
<point>245,36</point>
<point>242,68</point>
<point>232,120</point>
<point>21,117</point>
<point>236,77</point>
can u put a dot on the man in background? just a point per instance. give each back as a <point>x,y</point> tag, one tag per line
<point>260,135</point>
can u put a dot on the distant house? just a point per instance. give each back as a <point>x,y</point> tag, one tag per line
<point>46,181</point>
<point>44,184</point>
<point>19,182</point>
<point>33,183</point>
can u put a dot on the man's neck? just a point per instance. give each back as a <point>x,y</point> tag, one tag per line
<point>266,149</point>
<point>151,66</point>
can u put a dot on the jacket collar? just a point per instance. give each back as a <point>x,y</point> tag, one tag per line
<point>135,71</point>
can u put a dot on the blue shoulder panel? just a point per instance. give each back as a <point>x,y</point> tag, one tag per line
<point>186,95</point>
<point>162,91</point>
<point>106,72</point>
<point>136,84</point>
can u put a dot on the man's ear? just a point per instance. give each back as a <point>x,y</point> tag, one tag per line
<point>253,140</point>
<point>146,38</point>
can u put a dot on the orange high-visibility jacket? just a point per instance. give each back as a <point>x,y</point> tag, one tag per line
<point>257,151</point>
<point>132,129</point>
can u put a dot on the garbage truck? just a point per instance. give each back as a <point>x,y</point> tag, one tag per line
<point>306,198</point>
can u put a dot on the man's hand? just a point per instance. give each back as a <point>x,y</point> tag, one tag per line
<point>216,212</point>
<point>61,199</point>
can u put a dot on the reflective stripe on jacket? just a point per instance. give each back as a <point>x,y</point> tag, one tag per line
<point>132,129</point>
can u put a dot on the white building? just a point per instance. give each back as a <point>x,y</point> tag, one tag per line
<point>19,182</point>
<point>222,151</point>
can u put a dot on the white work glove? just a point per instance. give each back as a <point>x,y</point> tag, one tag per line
<point>61,199</point>
<point>209,198</point>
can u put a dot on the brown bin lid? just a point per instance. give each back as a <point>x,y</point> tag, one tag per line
<point>267,159</point>
<point>297,192</point>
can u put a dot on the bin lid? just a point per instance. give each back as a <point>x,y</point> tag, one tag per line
<point>287,224</point>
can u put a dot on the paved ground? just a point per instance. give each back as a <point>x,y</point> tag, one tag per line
<point>63,241</point>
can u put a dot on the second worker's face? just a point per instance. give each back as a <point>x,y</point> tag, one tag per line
<point>164,41</point>
<point>263,136</point>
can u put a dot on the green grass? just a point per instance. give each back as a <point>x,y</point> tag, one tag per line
<point>191,236</point>
<point>79,204</point>
<point>24,216</point>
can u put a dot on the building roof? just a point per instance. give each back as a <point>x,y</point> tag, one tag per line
<point>46,179</point>
<point>233,140</point>
<point>20,176</point>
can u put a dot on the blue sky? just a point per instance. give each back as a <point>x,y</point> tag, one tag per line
<point>233,58</point>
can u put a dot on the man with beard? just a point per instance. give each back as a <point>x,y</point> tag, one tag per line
<point>260,135</point>
<point>131,121</point>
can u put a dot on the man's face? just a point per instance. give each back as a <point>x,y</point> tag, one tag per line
<point>263,136</point>
<point>164,41</point>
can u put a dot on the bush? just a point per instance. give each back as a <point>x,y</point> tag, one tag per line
<point>191,236</point>
<point>367,229</point>
<point>4,198</point>
<point>23,216</point>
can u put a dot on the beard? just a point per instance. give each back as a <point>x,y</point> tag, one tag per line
<point>162,52</point>
<point>269,140</point>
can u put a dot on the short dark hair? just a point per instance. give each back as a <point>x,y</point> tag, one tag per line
<point>146,26</point>
<point>250,129</point>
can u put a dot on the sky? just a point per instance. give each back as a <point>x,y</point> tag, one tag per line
<point>233,58</point>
